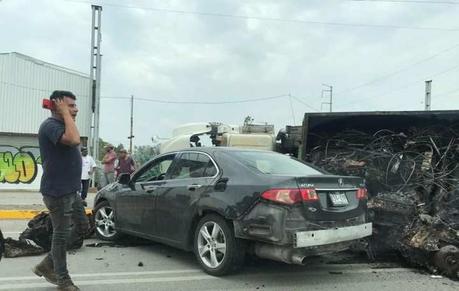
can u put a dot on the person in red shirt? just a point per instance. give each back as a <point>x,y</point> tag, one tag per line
<point>124,164</point>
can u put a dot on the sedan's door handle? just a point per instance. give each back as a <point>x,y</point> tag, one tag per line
<point>193,187</point>
<point>149,188</point>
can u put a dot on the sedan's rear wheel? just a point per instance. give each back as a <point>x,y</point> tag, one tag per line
<point>215,246</point>
<point>104,219</point>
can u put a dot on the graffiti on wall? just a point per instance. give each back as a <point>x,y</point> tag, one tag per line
<point>19,165</point>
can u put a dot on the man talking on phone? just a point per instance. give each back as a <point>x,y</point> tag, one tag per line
<point>59,141</point>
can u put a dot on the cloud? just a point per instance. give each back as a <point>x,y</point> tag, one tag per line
<point>174,56</point>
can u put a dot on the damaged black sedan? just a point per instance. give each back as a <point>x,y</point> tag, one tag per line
<point>223,203</point>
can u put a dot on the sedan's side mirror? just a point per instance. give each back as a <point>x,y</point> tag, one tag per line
<point>221,184</point>
<point>124,179</point>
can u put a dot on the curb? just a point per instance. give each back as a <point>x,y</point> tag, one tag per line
<point>26,214</point>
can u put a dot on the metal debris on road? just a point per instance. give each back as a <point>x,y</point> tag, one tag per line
<point>412,178</point>
<point>40,231</point>
<point>36,238</point>
<point>20,248</point>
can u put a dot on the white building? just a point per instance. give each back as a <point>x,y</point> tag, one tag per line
<point>24,82</point>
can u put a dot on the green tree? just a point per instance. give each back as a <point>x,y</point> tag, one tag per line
<point>102,144</point>
<point>143,154</point>
<point>119,147</point>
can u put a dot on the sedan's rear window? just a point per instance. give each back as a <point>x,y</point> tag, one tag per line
<point>273,163</point>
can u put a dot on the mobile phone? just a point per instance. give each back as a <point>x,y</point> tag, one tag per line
<point>47,104</point>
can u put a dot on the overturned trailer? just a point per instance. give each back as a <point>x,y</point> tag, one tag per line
<point>410,162</point>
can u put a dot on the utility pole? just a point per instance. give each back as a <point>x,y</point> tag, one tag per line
<point>131,136</point>
<point>330,92</point>
<point>95,69</point>
<point>428,95</point>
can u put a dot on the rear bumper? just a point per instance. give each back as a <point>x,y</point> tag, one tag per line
<point>280,225</point>
<point>330,236</point>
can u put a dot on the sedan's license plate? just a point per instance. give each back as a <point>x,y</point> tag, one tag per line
<point>338,199</point>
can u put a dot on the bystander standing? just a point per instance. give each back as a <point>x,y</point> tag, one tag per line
<point>59,139</point>
<point>109,164</point>
<point>88,166</point>
<point>124,164</point>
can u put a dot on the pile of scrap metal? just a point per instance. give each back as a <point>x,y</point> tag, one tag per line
<point>36,238</point>
<point>412,177</point>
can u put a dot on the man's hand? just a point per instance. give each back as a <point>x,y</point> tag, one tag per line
<point>64,109</point>
<point>61,107</point>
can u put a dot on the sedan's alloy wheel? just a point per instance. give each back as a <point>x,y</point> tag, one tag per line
<point>104,220</point>
<point>211,244</point>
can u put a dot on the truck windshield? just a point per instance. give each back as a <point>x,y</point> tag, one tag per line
<point>273,163</point>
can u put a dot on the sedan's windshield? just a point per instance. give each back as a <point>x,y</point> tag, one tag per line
<point>273,163</point>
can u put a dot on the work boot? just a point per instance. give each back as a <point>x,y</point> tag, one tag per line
<point>45,269</point>
<point>67,285</point>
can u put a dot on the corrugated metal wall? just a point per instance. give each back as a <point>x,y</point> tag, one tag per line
<point>25,81</point>
<point>18,141</point>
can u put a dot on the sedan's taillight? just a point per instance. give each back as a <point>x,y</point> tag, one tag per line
<point>290,195</point>
<point>309,194</point>
<point>362,193</point>
<point>284,196</point>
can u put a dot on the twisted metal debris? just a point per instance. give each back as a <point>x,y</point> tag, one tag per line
<point>412,177</point>
<point>36,238</point>
<point>393,161</point>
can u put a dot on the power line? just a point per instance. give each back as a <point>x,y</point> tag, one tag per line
<point>396,72</point>
<point>410,84</point>
<point>212,102</point>
<point>48,91</point>
<point>291,108</point>
<point>272,19</point>
<point>177,101</point>
<point>447,93</point>
<point>410,1</point>
<point>24,87</point>
<point>199,102</point>
<point>304,103</point>
<point>407,85</point>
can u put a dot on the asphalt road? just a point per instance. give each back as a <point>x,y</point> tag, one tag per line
<point>165,268</point>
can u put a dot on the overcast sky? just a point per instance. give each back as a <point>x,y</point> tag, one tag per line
<point>165,55</point>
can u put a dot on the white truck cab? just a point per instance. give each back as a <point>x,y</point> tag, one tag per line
<point>254,136</point>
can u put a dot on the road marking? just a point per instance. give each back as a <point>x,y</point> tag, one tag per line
<point>29,286</point>
<point>25,214</point>
<point>162,272</point>
<point>325,271</point>
<point>17,282</point>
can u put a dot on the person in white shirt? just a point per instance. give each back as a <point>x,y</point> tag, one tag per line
<point>88,166</point>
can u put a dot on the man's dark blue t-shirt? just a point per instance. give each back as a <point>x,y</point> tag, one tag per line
<point>61,163</point>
